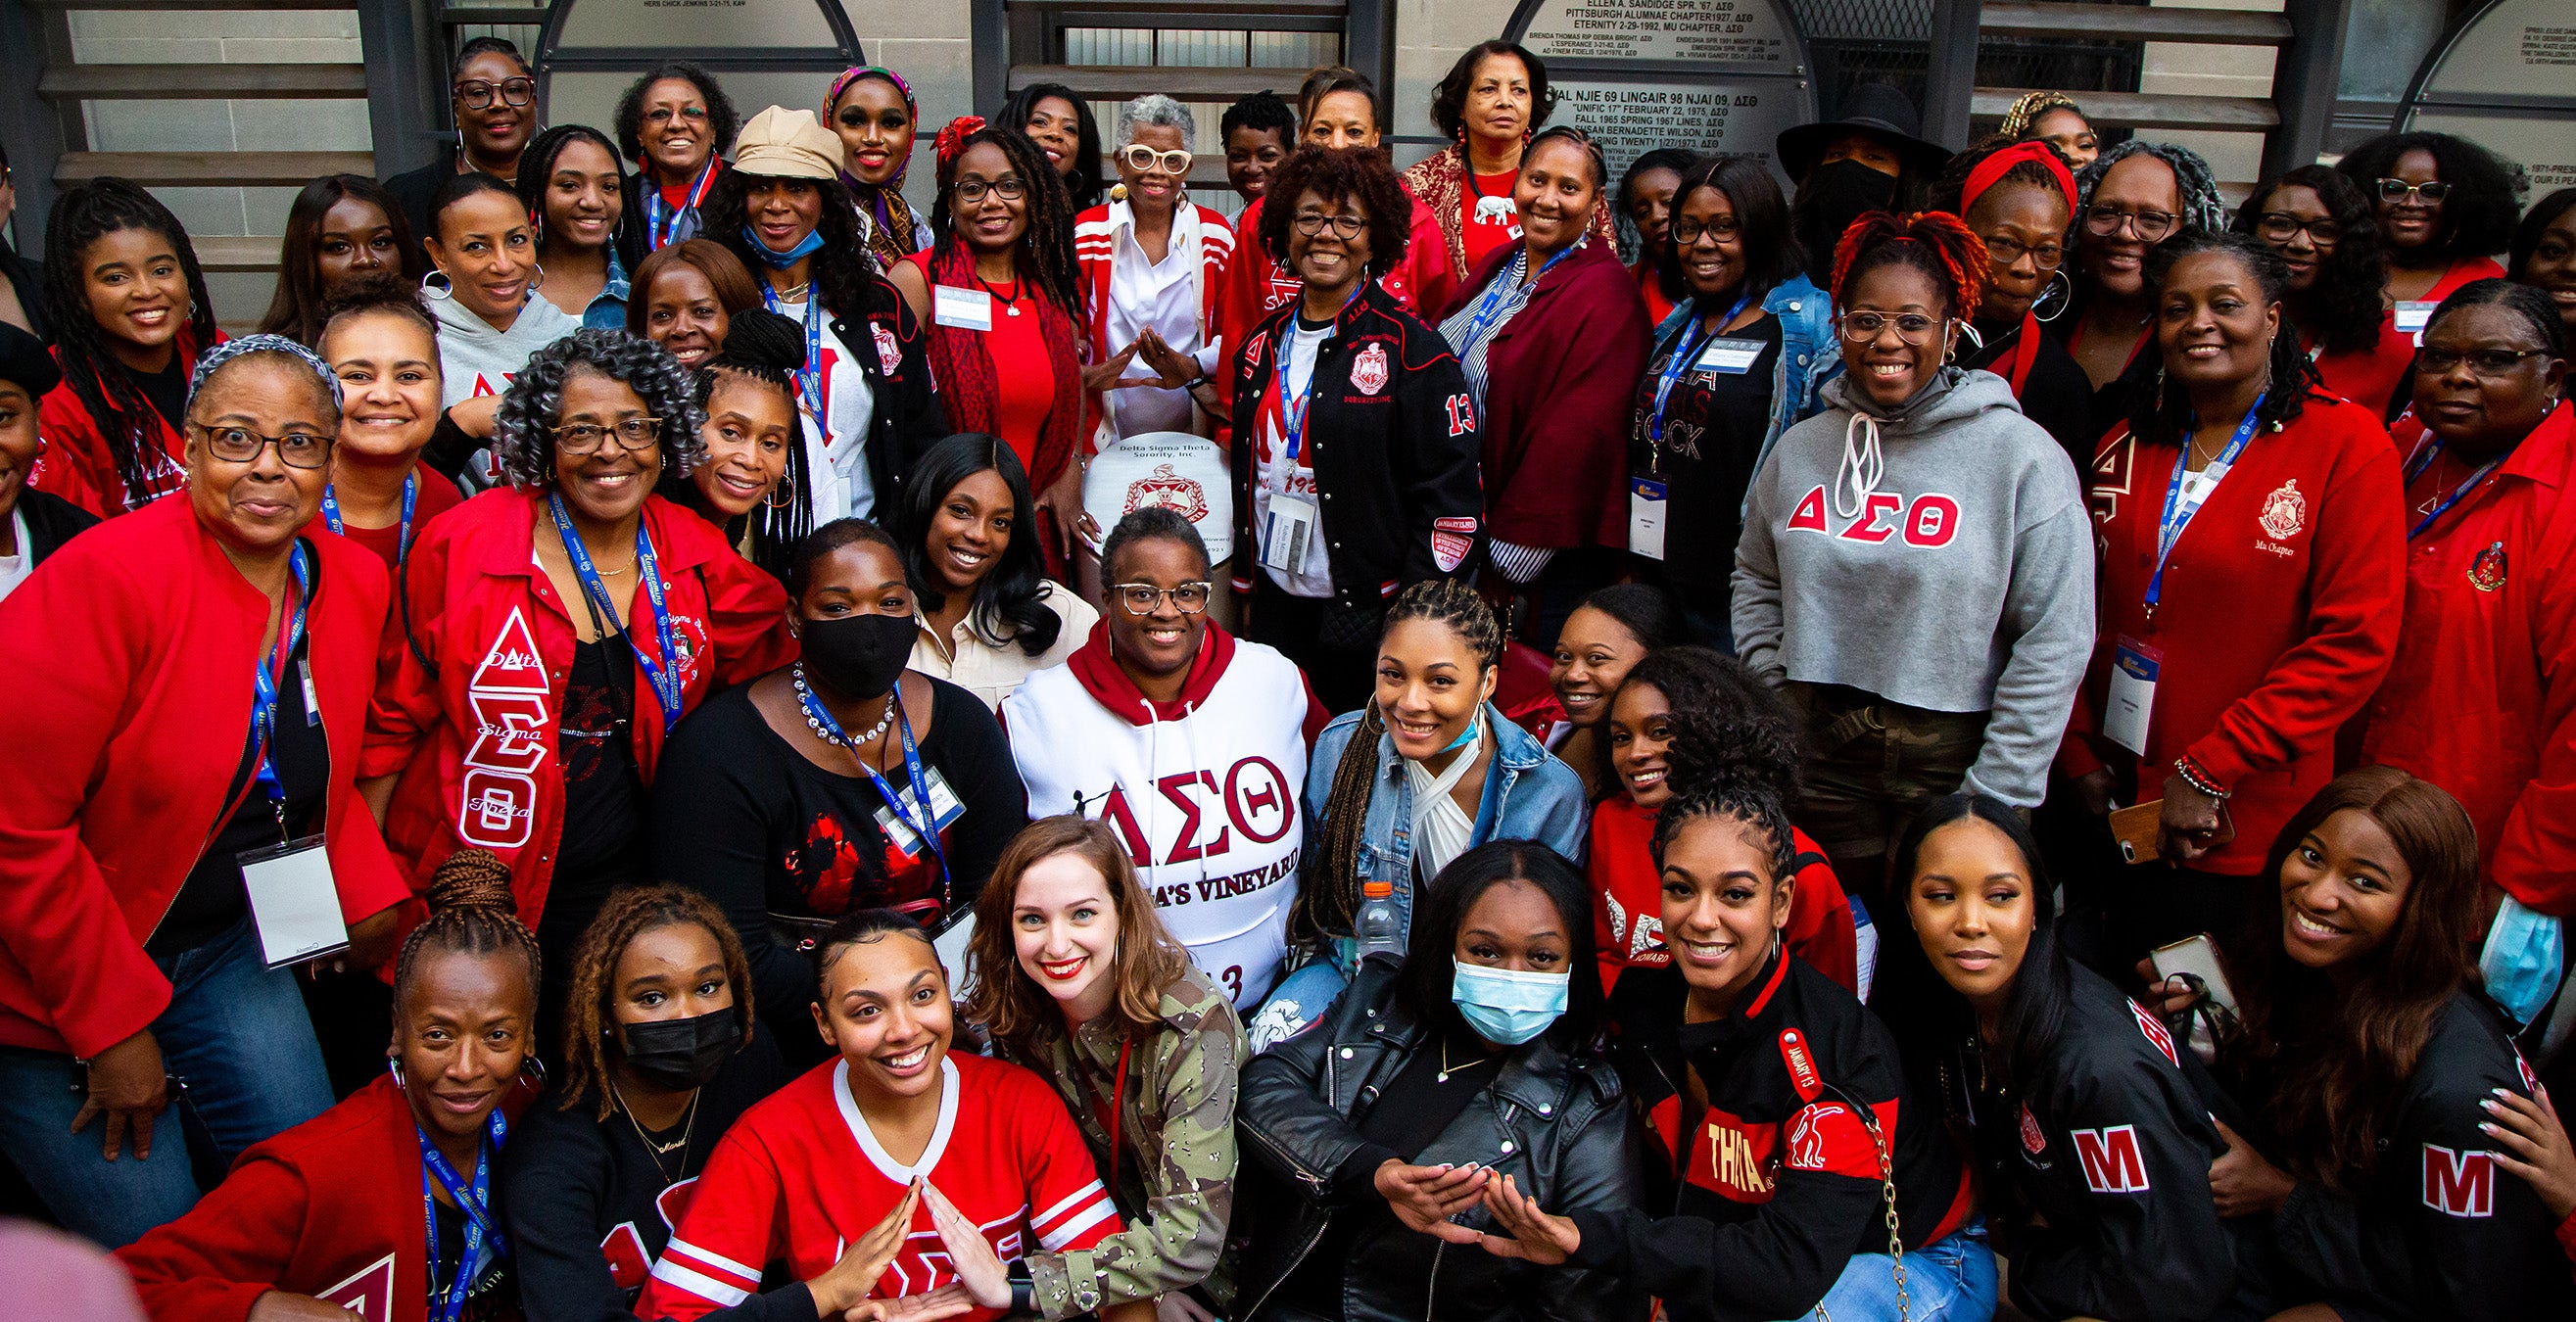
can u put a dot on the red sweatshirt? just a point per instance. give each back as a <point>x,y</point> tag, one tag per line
<point>474,732</point>
<point>331,1208</point>
<point>2280,611</point>
<point>2472,701</point>
<point>1560,380</point>
<point>76,463</point>
<point>132,656</point>
<point>1628,896</point>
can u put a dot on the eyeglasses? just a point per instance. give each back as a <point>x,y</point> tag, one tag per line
<point>1142,598</point>
<point>241,445</point>
<point>2401,192</point>
<point>2148,225</point>
<point>2008,252</point>
<point>1687,232</point>
<point>1010,186</point>
<point>1141,158</point>
<point>1346,227</point>
<point>477,94</point>
<point>2278,226</point>
<point>2482,362</point>
<point>664,114</point>
<point>1911,327</point>
<point>580,438</point>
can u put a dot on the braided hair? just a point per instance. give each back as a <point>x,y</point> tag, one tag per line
<point>1714,776</point>
<point>1948,190</point>
<point>2202,209</point>
<point>1936,243</point>
<point>2342,305</point>
<point>765,350</point>
<point>81,217</point>
<point>588,1021</point>
<point>1331,906</point>
<point>2536,308</point>
<point>2030,107</point>
<point>2164,418</point>
<point>471,912</point>
<point>1045,253</point>
<point>1591,150</point>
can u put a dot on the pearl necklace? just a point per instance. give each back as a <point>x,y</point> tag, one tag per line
<point>845,741</point>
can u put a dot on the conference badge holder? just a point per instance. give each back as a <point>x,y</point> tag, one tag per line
<point>1291,527</point>
<point>1649,500</point>
<point>293,901</point>
<point>1729,357</point>
<point>2413,315</point>
<point>943,805</point>
<point>964,309</point>
<point>2132,703</point>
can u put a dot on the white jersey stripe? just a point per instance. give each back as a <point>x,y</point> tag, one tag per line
<point>1088,1191</point>
<point>716,1261</point>
<point>699,1283</point>
<point>1056,1239</point>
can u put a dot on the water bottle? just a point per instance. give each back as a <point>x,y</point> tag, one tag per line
<point>1380,928</point>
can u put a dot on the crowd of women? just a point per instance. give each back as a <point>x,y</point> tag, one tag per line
<point>1654,773</point>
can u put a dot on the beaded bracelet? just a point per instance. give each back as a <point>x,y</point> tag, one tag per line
<point>2198,779</point>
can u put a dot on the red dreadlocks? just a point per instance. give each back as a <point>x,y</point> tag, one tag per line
<point>1934,242</point>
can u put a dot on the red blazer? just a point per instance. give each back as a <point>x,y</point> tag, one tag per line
<point>2473,701</point>
<point>330,1208</point>
<point>2280,612</point>
<point>474,730</point>
<point>76,464</point>
<point>131,656</point>
<point>1627,901</point>
<point>1560,378</point>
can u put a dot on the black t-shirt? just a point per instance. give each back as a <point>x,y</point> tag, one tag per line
<point>213,897</point>
<point>743,816</point>
<point>166,390</point>
<point>591,1207</point>
<point>603,822</point>
<point>1714,421</point>
<point>1408,1117</point>
<point>489,1297</point>
<point>2056,395</point>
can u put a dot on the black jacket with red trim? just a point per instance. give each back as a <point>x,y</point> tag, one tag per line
<point>2097,1167</point>
<point>1394,440</point>
<point>1776,1186</point>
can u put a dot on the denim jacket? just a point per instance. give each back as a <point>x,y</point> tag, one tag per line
<point>1529,795</point>
<point>1810,353</point>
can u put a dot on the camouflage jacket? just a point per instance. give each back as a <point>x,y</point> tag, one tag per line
<point>1175,1176</point>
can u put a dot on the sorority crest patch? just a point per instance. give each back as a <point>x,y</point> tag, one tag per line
<point>1368,368</point>
<point>2285,512</point>
<point>2486,573</point>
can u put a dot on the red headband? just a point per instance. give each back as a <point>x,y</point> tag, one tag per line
<point>952,139</point>
<point>2001,163</point>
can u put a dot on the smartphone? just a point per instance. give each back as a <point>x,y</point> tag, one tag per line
<point>2197,958</point>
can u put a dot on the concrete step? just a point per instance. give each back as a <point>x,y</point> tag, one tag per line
<point>2083,22</point>
<point>203,82</point>
<point>2149,110</point>
<point>216,169</point>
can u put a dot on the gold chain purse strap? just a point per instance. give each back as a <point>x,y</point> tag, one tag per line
<point>1811,1086</point>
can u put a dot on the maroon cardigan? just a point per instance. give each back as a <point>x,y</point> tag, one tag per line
<point>1560,380</point>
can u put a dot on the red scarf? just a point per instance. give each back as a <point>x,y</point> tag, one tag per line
<point>962,363</point>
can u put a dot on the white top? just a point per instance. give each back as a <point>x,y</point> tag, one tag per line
<point>1278,475</point>
<point>15,568</point>
<point>1165,296</point>
<point>993,673</point>
<point>1441,829</point>
<point>838,459</point>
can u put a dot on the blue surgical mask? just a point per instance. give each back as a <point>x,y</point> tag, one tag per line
<point>813,243</point>
<point>1506,1006</point>
<point>1475,726</point>
<point>2521,960</point>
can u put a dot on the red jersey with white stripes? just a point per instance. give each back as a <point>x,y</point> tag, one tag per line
<point>800,1176</point>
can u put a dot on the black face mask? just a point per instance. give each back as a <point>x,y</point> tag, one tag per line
<point>860,656</point>
<point>682,1053</point>
<point>1835,195</point>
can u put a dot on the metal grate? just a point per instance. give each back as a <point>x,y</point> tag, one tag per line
<point>1863,41</point>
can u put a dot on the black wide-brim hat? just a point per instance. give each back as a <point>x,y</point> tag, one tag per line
<point>1874,108</point>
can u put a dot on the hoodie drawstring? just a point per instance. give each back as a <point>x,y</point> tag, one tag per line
<point>1863,464</point>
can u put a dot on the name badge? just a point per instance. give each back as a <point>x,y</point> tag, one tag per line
<point>944,810</point>
<point>2133,694</point>
<point>312,698</point>
<point>965,309</point>
<point>2413,315</point>
<point>1647,503</point>
<point>293,901</point>
<point>1732,357</point>
<point>1286,533</point>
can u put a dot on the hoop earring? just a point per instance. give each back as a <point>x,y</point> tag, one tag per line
<point>440,292</point>
<point>777,490</point>
<point>2061,287</point>
<point>540,281</point>
<point>2160,390</point>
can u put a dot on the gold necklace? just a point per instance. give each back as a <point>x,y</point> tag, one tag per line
<point>659,1150</point>
<point>1447,1069</point>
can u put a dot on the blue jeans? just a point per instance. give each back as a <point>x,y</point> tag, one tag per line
<point>244,1067</point>
<point>1950,1280</point>
<point>1300,999</point>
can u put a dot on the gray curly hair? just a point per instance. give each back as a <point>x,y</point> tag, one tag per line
<point>2202,208</point>
<point>1157,111</point>
<point>523,439</point>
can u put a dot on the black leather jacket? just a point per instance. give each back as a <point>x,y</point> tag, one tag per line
<point>1556,1124</point>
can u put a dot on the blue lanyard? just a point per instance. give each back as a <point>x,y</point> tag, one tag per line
<point>659,233</point>
<point>2177,516</point>
<point>483,1239</point>
<point>1498,295</point>
<point>402,539</point>
<point>809,378</point>
<point>1678,366</point>
<point>2424,459</point>
<point>1292,407</point>
<point>264,678</point>
<point>666,676</point>
<point>926,825</point>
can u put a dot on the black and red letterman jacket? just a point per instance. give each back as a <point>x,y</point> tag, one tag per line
<point>1776,1186</point>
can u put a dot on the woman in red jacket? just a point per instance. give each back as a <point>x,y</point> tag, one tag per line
<point>191,685</point>
<point>1682,710</point>
<point>383,1206</point>
<point>2249,589</point>
<point>548,636</point>
<point>1553,337</point>
<point>132,315</point>
<point>2476,699</point>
